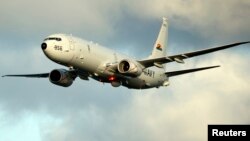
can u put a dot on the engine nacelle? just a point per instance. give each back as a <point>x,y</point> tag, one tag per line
<point>61,77</point>
<point>129,68</point>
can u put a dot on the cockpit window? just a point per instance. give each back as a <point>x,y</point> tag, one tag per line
<point>53,38</point>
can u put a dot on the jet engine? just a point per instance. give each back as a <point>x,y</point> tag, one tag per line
<point>129,68</point>
<point>61,77</point>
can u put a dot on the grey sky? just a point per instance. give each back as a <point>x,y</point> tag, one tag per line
<point>35,109</point>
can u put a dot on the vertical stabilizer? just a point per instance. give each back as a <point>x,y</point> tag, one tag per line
<point>159,49</point>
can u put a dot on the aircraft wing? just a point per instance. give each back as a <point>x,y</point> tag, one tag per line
<point>180,72</point>
<point>179,57</point>
<point>41,75</point>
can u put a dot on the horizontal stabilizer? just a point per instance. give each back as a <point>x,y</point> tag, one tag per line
<point>42,75</point>
<point>180,72</point>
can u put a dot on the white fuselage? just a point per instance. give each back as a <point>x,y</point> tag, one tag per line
<point>95,59</point>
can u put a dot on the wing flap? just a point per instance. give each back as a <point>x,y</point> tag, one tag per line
<point>180,72</point>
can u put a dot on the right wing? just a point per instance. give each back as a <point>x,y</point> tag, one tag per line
<point>180,72</point>
<point>41,75</point>
<point>179,57</point>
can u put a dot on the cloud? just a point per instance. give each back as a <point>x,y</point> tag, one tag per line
<point>211,19</point>
<point>89,18</point>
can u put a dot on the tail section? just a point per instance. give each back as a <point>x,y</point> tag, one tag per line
<point>160,44</point>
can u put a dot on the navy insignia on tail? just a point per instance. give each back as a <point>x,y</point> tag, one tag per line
<point>159,47</point>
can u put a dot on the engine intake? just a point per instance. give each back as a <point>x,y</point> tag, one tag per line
<point>129,68</point>
<point>61,77</point>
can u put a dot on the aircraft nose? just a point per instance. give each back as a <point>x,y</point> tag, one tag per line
<point>44,46</point>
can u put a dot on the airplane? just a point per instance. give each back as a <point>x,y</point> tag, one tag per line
<point>86,59</point>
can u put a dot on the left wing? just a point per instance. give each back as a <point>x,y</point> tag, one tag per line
<point>179,57</point>
<point>41,75</point>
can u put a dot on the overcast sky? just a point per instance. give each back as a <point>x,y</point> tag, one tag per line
<point>35,109</point>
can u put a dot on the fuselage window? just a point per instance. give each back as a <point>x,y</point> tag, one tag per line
<point>53,38</point>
